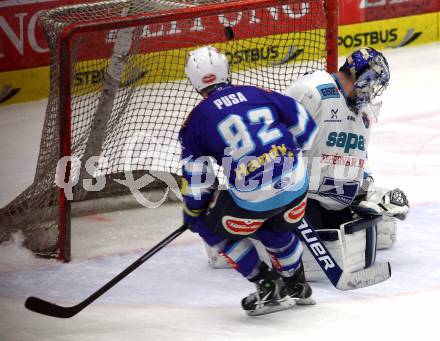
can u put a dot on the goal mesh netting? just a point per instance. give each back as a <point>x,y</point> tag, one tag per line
<point>119,94</point>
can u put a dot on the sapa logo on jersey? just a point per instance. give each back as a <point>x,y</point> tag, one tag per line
<point>241,226</point>
<point>295,214</point>
<point>345,140</point>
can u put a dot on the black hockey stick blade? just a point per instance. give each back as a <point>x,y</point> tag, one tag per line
<point>51,309</point>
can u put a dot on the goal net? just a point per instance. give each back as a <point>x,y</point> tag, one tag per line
<point>119,95</point>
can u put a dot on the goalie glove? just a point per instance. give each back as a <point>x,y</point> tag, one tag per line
<point>395,203</point>
<point>380,201</point>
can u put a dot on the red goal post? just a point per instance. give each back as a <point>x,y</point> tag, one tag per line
<point>118,87</point>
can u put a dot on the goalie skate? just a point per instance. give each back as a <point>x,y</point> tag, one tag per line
<point>271,296</point>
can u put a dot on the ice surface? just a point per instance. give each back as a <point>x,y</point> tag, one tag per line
<point>176,296</point>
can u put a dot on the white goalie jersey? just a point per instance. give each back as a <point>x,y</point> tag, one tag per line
<point>338,158</point>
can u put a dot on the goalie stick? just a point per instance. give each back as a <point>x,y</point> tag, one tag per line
<point>342,280</point>
<point>51,309</point>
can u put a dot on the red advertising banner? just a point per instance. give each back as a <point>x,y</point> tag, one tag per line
<point>357,11</point>
<point>349,12</point>
<point>22,42</point>
<point>23,46</point>
<point>210,29</point>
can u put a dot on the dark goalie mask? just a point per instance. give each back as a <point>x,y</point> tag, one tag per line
<point>371,73</point>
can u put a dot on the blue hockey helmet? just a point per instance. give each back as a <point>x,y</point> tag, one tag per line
<point>371,73</point>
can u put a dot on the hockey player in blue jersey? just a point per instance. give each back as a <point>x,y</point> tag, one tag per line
<point>257,137</point>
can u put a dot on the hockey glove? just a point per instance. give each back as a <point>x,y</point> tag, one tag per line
<point>395,203</point>
<point>380,201</point>
<point>194,218</point>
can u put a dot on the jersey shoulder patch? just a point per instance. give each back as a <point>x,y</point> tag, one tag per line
<point>328,90</point>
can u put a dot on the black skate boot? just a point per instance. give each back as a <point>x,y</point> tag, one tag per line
<point>298,288</point>
<point>271,295</point>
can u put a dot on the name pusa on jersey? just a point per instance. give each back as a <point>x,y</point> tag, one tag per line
<point>230,100</point>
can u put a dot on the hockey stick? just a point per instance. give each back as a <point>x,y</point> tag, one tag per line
<point>51,309</point>
<point>342,280</point>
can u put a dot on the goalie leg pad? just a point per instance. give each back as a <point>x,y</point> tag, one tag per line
<point>386,233</point>
<point>312,269</point>
<point>352,251</point>
<point>370,245</point>
<point>215,261</point>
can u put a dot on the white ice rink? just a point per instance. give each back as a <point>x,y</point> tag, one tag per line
<point>176,296</point>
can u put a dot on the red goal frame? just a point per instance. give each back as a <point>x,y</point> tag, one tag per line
<point>65,75</point>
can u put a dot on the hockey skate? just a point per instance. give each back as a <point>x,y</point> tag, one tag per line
<point>298,288</point>
<point>271,296</point>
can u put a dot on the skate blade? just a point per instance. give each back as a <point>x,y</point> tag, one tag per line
<point>280,305</point>
<point>305,301</point>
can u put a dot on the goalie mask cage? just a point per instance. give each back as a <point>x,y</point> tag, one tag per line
<point>119,93</point>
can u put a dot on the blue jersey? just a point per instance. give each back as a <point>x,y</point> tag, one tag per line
<point>256,135</point>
